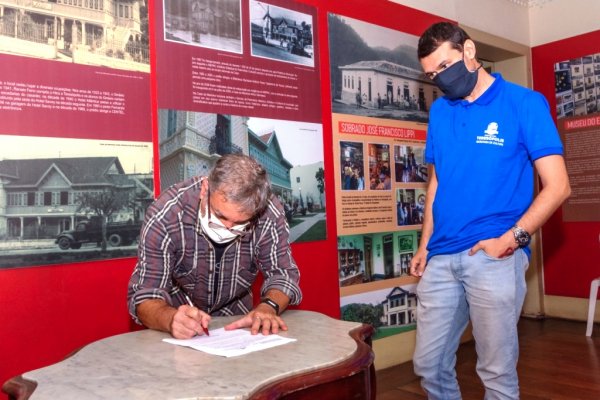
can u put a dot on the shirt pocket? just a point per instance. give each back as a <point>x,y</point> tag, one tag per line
<point>247,269</point>
<point>184,273</point>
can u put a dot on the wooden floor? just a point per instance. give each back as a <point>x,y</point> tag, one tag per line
<point>557,362</point>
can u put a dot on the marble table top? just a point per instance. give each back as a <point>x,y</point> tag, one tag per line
<point>139,365</point>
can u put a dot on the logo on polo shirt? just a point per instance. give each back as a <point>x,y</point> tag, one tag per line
<point>491,135</point>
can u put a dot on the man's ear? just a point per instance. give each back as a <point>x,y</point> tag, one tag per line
<point>469,49</point>
<point>204,187</point>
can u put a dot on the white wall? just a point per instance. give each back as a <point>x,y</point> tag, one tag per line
<point>446,8</point>
<point>501,18</point>
<point>497,17</point>
<point>561,19</point>
<point>532,26</point>
<point>514,70</point>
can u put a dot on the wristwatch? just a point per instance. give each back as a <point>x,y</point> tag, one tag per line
<point>273,304</point>
<point>522,237</point>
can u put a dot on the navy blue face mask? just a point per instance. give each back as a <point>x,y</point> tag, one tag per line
<point>457,81</point>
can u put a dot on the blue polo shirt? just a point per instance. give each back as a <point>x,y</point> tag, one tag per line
<point>483,154</point>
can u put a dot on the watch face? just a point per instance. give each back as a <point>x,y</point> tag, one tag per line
<point>522,237</point>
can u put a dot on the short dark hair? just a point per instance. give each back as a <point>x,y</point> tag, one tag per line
<point>243,181</point>
<point>439,33</point>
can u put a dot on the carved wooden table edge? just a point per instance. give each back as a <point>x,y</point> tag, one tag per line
<point>19,388</point>
<point>358,371</point>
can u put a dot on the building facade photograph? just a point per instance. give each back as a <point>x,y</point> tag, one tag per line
<point>266,150</point>
<point>95,32</point>
<point>191,142</point>
<point>383,84</point>
<point>399,308</point>
<point>375,72</point>
<point>207,23</point>
<point>281,34</point>
<point>40,198</point>
<point>305,186</point>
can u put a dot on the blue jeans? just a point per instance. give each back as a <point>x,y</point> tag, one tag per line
<point>490,291</point>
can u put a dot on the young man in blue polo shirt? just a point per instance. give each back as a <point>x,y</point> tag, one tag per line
<point>484,138</point>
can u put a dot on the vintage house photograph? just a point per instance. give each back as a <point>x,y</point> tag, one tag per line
<point>281,34</point>
<point>112,33</point>
<point>213,24</point>
<point>57,207</point>
<point>375,72</point>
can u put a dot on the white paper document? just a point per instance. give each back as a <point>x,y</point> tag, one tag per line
<point>231,343</point>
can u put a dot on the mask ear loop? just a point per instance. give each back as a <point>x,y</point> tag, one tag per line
<point>478,68</point>
<point>208,203</point>
<point>205,198</point>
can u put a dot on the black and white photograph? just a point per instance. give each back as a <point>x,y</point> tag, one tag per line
<point>352,166</point>
<point>406,250</point>
<point>291,152</point>
<point>70,200</point>
<point>281,34</point>
<point>405,259</point>
<point>379,167</point>
<point>577,86</point>
<point>409,164</point>
<point>410,206</point>
<point>111,34</point>
<point>374,257</point>
<point>390,311</point>
<point>213,24</point>
<point>375,72</point>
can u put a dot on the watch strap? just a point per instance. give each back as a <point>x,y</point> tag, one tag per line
<point>272,303</point>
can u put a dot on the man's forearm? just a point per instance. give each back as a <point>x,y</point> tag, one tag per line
<point>555,190</point>
<point>544,205</point>
<point>278,297</point>
<point>156,314</point>
<point>427,227</point>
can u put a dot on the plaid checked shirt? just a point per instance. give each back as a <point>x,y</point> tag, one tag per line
<point>176,258</point>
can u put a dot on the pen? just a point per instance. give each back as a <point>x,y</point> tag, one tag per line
<point>187,298</point>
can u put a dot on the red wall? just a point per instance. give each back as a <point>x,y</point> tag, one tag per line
<point>47,312</point>
<point>571,249</point>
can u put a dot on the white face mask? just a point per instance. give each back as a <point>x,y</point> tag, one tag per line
<point>216,231</point>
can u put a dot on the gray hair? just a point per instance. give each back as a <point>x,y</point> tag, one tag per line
<point>243,181</point>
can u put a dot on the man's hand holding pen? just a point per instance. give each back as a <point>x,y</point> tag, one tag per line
<point>188,322</point>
